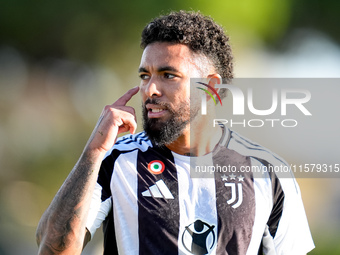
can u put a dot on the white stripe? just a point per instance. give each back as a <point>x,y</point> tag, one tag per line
<point>225,136</point>
<point>293,235</point>
<point>146,193</point>
<point>204,104</point>
<point>98,210</point>
<point>155,191</point>
<point>233,192</point>
<point>197,199</point>
<point>124,192</point>
<point>164,189</point>
<point>240,196</point>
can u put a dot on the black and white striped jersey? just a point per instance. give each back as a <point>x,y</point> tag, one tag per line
<point>150,202</point>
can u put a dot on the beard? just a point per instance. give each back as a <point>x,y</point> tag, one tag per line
<point>163,132</point>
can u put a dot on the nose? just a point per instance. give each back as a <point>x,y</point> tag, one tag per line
<point>152,89</point>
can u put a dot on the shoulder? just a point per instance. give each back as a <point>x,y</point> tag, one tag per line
<point>138,141</point>
<point>124,147</point>
<point>249,148</point>
<point>128,143</point>
<point>278,169</point>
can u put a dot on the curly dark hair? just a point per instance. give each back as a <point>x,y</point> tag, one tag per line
<point>200,33</point>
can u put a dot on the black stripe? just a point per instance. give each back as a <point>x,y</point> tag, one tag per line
<point>110,243</point>
<point>260,252</point>
<point>278,200</point>
<point>105,173</point>
<point>104,180</point>
<point>234,224</point>
<point>158,218</point>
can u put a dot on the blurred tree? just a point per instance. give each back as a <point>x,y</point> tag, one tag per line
<point>322,15</point>
<point>84,31</point>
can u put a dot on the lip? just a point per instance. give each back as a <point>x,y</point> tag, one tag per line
<point>155,111</point>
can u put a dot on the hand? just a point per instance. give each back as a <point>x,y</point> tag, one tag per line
<point>115,119</point>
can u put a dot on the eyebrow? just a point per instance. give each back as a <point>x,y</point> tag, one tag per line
<point>160,69</point>
<point>142,70</point>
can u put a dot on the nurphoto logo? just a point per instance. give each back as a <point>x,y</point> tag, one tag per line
<point>241,101</point>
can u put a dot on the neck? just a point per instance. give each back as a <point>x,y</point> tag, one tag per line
<point>199,140</point>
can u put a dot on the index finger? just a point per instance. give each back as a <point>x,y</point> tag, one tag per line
<point>126,97</point>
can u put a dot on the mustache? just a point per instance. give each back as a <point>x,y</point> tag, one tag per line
<point>156,102</point>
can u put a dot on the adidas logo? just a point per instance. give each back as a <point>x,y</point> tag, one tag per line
<point>159,190</point>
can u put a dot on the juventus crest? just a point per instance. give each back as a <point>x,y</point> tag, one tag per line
<point>235,184</point>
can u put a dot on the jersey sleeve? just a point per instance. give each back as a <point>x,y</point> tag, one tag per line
<point>101,202</point>
<point>288,223</point>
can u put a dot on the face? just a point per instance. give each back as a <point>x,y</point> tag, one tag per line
<point>165,73</point>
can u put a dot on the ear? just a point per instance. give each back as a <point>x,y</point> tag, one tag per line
<point>214,79</point>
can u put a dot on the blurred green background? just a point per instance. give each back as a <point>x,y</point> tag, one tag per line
<point>62,61</point>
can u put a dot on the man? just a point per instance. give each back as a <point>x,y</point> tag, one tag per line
<point>140,186</point>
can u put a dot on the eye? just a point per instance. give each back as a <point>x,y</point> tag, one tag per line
<point>144,76</point>
<point>169,76</point>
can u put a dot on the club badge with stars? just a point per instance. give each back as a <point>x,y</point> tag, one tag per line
<point>235,183</point>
